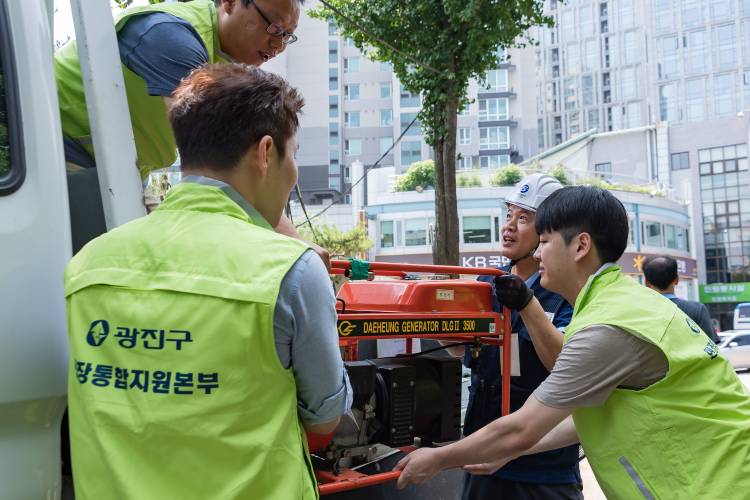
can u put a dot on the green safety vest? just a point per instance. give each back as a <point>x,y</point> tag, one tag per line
<point>175,385</point>
<point>684,437</point>
<point>154,139</point>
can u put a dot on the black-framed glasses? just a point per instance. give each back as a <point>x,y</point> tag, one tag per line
<point>274,29</point>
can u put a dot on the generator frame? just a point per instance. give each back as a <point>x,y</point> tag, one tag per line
<point>330,482</point>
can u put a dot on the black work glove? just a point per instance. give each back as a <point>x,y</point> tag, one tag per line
<point>511,291</point>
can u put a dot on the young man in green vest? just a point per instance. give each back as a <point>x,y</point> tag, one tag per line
<point>658,412</point>
<point>203,344</point>
<point>159,46</point>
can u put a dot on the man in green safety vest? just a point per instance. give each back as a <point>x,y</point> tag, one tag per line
<point>659,413</point>
<point>203,343</point>
<point>160,45</point>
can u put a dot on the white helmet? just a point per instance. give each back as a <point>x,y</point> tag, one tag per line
<point>532,191</point>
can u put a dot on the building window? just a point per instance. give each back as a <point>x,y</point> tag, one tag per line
<point>406,119</point>
<point>386,234</point>
<point>663,16</point>
<point>411,151</point>
<point>351,119</point>
<point>692,13</point>
<point>385,143</point>
<point>725,52</point>
<point>386,117</point>
<point>334,168</point>
<point>629,84</point>
<point>494,161</point>
<point>409,100</point>
<point>415,232</point>
<point>463,162</point>
<point>351,92</point>
<point>333,51</point>
<point>334,183</point>
<point>353,147</point>
<point>631,49</point>
<point>333,139</point>
<point>724,95</point>
<point>666,54</point>
<point>721,9</point>
<point>333,79</point>
<point>603,170</point>
<point>721,160</point>
<point>497,80</point>
<point>668,102</point>
<point>351,64</point>
<point>652,234</point>
<point>696,52</point>
<point>385,90</point>
<point>695,102</point>
<point>384,66</point>
<point>332,28</point>
<point>477,229</point>
<point>464,136</point>
<point>680,161</point>
<point>493,138</point>
<point>493,109</point>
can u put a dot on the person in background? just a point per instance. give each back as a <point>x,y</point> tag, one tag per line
<point>661,275</point>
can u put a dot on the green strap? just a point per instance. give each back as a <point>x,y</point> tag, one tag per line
<point>360,269</point>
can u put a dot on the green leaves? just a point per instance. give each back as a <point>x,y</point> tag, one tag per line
<point>420,173</point>
<point>339,243</point>
<point>435,46</point>
<point>507,176</point>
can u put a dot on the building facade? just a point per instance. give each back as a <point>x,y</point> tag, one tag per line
<point>356,108</point>
<point>402,226</point>
<point>618,64</point>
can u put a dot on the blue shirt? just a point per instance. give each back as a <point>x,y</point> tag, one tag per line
<point>304,328</point>
<point>160,48</point>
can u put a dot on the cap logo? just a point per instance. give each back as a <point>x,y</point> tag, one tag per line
<point>525,188</point>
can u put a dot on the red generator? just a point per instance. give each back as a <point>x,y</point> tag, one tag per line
<point>412,398</point>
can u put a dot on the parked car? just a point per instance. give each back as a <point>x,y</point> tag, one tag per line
<point>735,346</point>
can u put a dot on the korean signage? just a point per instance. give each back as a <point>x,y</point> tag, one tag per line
<point>725,292</point>
<point>630,262</point>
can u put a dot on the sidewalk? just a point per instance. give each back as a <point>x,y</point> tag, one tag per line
<point>591,490</point>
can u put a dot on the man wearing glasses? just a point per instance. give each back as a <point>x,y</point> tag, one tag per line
<point>159,46</point>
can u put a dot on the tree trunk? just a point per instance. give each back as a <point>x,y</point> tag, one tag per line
<point>445,247</point>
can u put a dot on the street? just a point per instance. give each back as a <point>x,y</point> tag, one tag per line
<point>591,489</point>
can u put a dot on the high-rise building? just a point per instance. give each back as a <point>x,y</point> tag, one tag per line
<point>357,108</point>
<point>618,64</point>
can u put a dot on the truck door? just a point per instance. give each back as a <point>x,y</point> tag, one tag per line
<point>34,248</point>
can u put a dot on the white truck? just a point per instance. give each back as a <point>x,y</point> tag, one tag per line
<point>35,235</point>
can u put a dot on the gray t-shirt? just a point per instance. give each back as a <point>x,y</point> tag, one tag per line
<point>594,362</point>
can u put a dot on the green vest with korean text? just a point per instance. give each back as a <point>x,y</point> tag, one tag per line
<point>175,385</point>
<point>154,139</point>
<point>686,436</point>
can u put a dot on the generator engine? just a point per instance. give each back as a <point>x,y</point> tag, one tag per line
<point>414,395</point>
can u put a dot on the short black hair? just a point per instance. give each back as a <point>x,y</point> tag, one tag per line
<point>220,111</point>
<point>660,271</point>
<point>586,209</point>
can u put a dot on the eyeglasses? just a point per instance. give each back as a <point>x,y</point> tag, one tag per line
<point>274,29</point>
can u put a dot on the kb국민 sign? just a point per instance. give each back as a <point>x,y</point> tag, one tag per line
<point>725,292</point>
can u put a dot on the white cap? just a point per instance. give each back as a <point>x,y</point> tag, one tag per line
<point>532,191</point>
